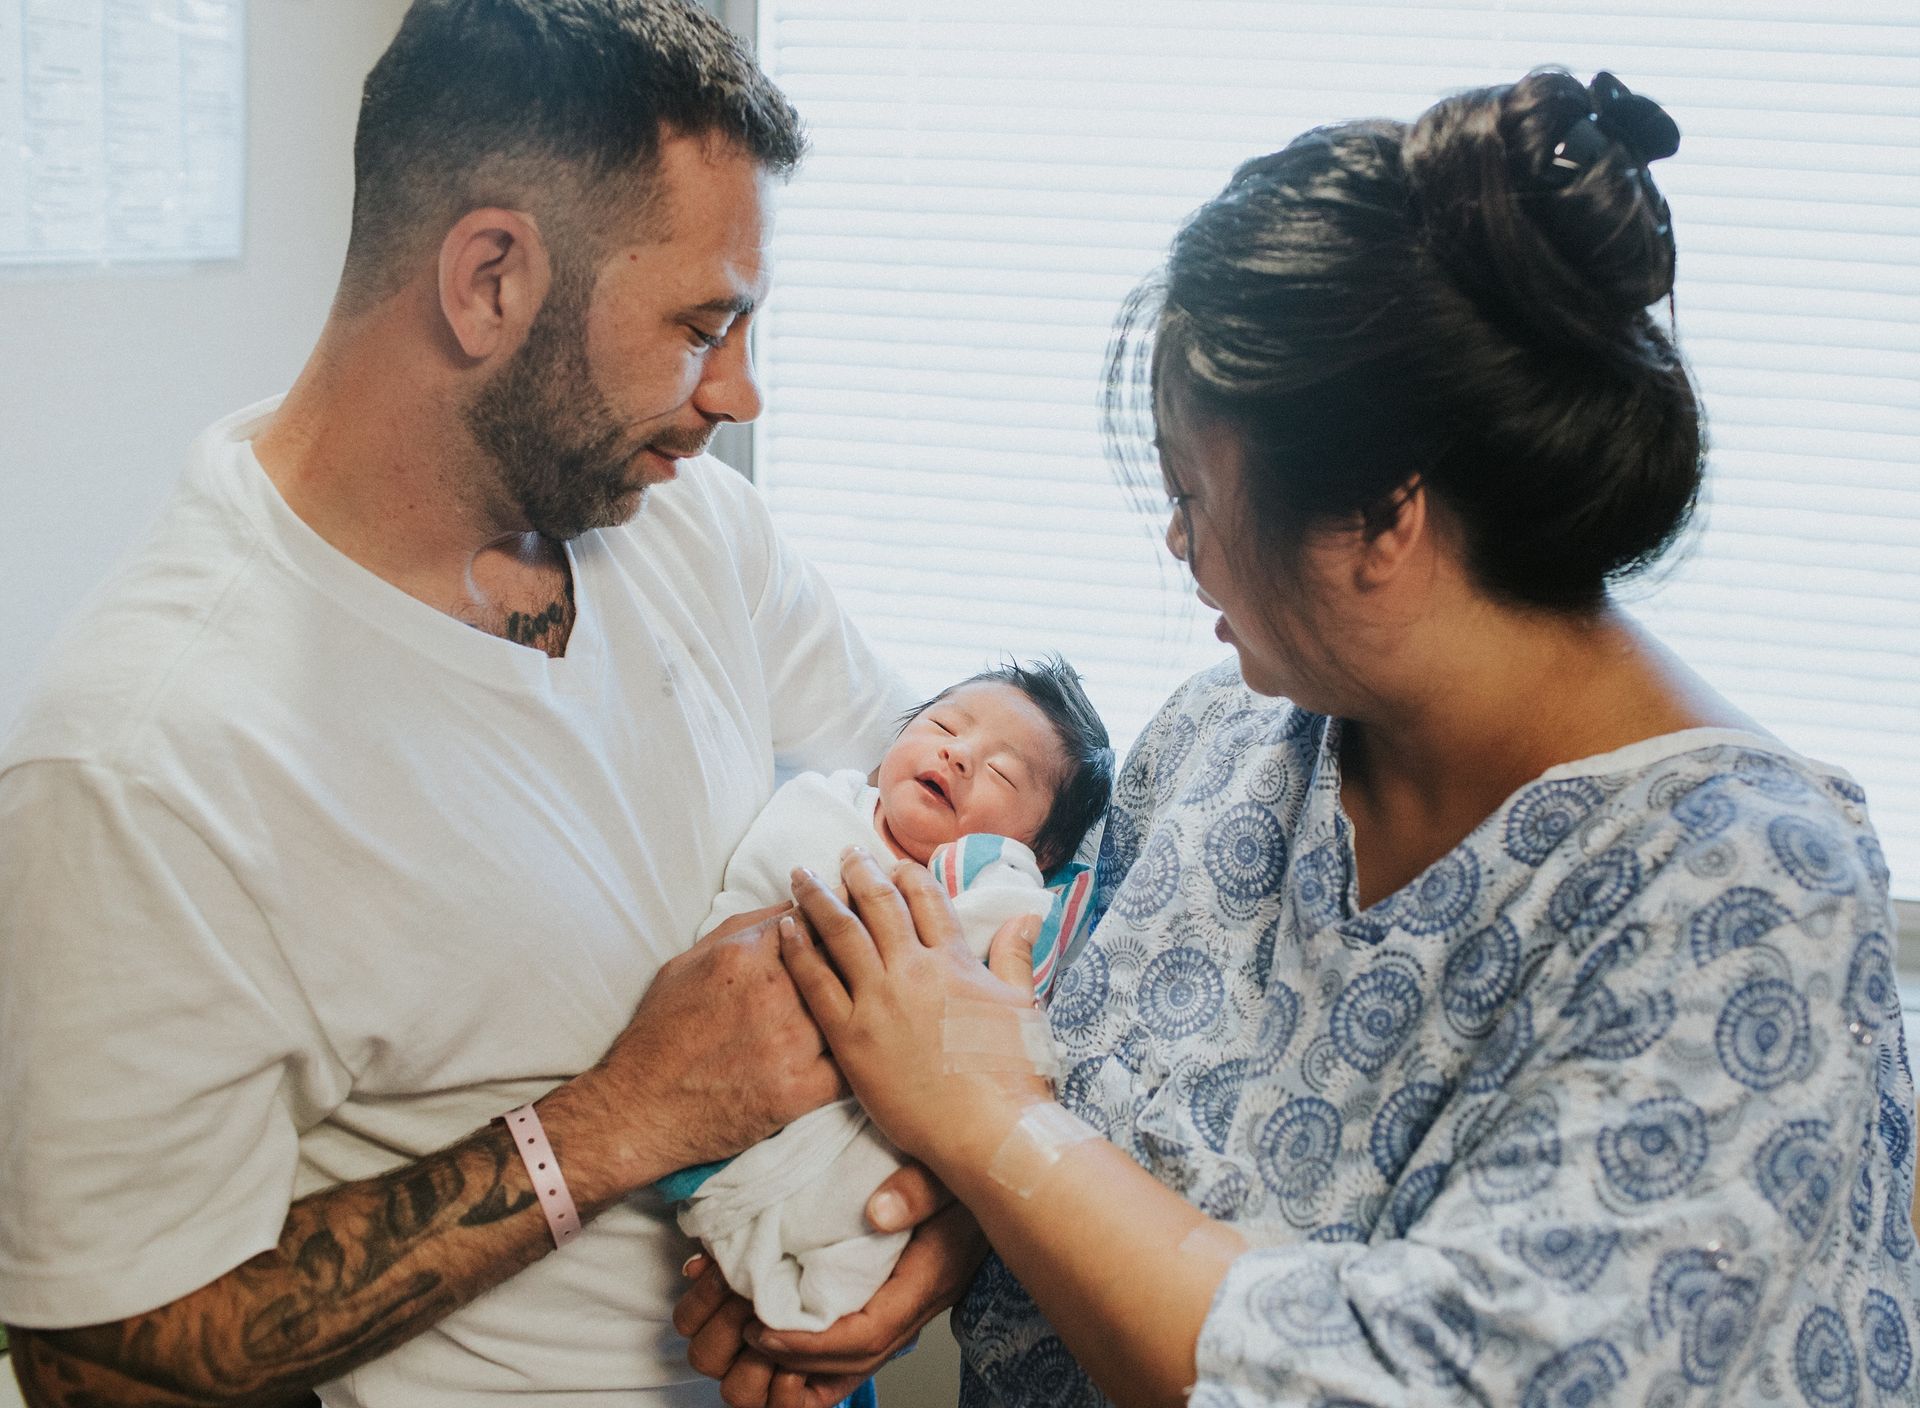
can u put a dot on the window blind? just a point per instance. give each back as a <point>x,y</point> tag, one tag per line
<point>990,177</point>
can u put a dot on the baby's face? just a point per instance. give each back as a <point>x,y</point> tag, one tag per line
<point>982,758</point>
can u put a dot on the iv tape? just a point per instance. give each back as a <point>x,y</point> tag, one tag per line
<point>986,1037</point>
<point>1038,1138</point>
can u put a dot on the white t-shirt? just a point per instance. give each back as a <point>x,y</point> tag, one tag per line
<point>301,879</point>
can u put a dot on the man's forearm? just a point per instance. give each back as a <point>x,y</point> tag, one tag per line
<point>359,1270</point>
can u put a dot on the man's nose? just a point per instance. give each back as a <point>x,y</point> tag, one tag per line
<point>729,389</point>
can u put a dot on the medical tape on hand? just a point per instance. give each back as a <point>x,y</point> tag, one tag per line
<point>987,1037</point>
<point>1038,1138</point>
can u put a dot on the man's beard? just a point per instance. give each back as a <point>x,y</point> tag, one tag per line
<point>562,453</point>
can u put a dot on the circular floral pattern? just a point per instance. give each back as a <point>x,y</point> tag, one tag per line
<point>1616,1030</point>
<point>1297,1147</point>
<point>1402,1123</point>
<point>1573,1256</point>
<point>1431,1338</point>
<point>1889,1352</point>
<point>1823,1361</point>
<point>1873,860</point>
<point>1441,897</point>
<point>1741,916</point>
<point>1320,885</point>
<point>1519,1157</point>
<point>1373,1017</point>
<point>1763,1037</point>
<point>1152,881</point>
<point>1271,782</point>
<point>1081,992</point>
<point>1503,1050</point>
<point>1873,995</point>
<point>1412,1196</point>
<point>1245,853</point>
<point>1479,976</point>
<point>1896,1131</point>
<point>1595,892</point>
<point>1279,1019</point>
<point>1306,1306</point>
<point>1582,1375</point>
<point>1769,773</point>
<point>1706,810</point>
<point>1657,1151</point>
<point>1050,1374</point>
<point>1175,743</point>
<point>1798,1172</point>
<point>1545,815</point>
<point>1811,856</point>
<point>1119,848</point>
<point>1213,1100</point>
<point>1180,993</point>
<point>1716,1329</point>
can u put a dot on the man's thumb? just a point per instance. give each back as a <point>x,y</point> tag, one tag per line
<point>1010,956</point>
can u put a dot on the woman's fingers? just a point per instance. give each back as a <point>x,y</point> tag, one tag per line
<point>933,918</point>
<point>878,902</point>
<point>819,986</point>
<point>841,933</point>
<point>1010,957</point>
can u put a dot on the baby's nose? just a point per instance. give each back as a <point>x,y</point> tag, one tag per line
<point>955,753</point>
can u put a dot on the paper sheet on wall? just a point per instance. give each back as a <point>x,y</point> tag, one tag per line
<point>122,130</point>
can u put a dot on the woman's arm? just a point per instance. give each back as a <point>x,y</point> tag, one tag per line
<point>1080,1229</point>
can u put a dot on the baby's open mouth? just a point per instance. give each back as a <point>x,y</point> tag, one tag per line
<point>932,784</point>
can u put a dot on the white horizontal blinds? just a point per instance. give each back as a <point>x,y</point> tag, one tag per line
<point>990,178</point>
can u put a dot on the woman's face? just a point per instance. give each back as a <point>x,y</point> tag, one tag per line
<point>1210,528</point>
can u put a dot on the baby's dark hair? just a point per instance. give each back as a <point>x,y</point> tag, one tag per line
<point>1080,798</point>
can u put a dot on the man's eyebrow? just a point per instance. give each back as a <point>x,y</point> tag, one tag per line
<point>739,305</point>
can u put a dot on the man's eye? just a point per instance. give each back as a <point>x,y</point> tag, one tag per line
<point>713,342</point>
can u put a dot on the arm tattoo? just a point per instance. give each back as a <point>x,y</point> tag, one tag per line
<point>359,1270</point>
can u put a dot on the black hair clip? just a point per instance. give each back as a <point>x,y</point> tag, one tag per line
<point>1637,123</point>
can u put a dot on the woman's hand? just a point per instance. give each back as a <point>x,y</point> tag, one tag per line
<point>940,1050</point>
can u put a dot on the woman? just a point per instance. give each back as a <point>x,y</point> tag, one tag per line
<point>1484,1010</point>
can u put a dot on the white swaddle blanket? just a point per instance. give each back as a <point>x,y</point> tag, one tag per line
<point>786,1220</point>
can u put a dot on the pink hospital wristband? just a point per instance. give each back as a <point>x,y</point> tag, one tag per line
<point>563,1221</point>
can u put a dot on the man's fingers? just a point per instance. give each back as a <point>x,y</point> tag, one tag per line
<point>908,1198</point>
<point>932,911</point>
<point>748,1383</point>
<point>819,986</point>
<point>699,1301</point>
<point>877,900</point>
<point>716,1344</point>
<point>841,932</point>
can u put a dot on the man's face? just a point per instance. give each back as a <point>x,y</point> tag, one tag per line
<point>628,368</point>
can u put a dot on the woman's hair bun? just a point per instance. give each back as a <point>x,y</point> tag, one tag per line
<point>1537,197</point>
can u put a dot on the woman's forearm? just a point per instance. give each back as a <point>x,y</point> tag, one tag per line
<point>1122,1267</point>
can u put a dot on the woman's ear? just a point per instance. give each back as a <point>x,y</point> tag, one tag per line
<point>495,273</point>
<point>1393,534</point>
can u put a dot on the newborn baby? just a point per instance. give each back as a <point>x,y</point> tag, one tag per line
<point>993,783</point>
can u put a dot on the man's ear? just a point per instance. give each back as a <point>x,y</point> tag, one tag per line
<point>495,273</point>
<point>1392,535</point>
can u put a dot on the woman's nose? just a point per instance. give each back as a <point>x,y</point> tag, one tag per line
<point>1177,534</point>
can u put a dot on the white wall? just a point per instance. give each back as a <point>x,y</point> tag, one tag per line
<point>106,375</point>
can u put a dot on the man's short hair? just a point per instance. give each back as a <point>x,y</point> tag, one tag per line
<point>535,105</point>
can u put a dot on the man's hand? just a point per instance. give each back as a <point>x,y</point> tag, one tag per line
<point>720,1054</point>
<point>761,1368</point>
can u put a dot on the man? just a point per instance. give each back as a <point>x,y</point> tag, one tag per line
<point>399,764</point>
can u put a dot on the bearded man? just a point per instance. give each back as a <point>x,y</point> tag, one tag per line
<point>380,794</point>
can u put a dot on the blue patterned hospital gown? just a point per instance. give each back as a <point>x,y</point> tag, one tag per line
<point>1610,1106</point>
